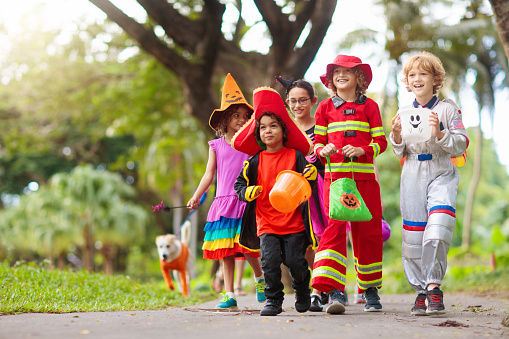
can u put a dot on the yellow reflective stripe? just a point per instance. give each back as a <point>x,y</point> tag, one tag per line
<point>332,255</point>
<point>357,167</point>
<point>368,269</point>
<point>377,131</point>
<point>366,284</point>
<point>321,130</point>
<point>376,149</point>
<point>329,272</point>
<point>369,265</point>
<point>318,145</point>
<point>348,126</point>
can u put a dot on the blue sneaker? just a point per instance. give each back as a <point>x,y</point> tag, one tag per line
<point>227,302</point>
<point>260,290</point>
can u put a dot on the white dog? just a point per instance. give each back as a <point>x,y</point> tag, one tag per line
<point>174,256</point>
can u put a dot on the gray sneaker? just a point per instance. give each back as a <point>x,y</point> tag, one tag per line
<point>336,303</point>
<point>372,300</point>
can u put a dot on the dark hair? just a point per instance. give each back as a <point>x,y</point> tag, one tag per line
<point>304,85</point>
<point>301,83</point>
<point>222,124</point>
<point>279,121</point>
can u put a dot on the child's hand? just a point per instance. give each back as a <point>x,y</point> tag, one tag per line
<point>352,151</point>
<point>396,128</point>
<point>253,192</point>
<point>435,125</point>
<point>328,150</point>
<point>310,172</point>
<point>193,203</point>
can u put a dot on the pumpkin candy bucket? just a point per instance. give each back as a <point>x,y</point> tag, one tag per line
<point>290,190</point>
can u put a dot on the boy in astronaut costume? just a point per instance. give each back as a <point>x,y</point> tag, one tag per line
<point>429,183</point>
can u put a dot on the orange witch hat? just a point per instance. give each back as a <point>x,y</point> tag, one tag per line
<point>268,99</point>
<point>231,95</point>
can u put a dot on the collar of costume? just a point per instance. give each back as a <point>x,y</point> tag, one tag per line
<point>266,99</point>
<point>337,101</point>
<point>286,84</point>
<point>432,103</point>
<point>347,61</point>
<point>231,95</point>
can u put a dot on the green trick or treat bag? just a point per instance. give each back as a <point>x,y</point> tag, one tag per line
<point>345,201</point>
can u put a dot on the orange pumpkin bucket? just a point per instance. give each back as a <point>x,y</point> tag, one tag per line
<point>290,190</point>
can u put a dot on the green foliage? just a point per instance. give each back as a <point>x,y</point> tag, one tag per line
<point>35,288</point>
<point>76,209</point>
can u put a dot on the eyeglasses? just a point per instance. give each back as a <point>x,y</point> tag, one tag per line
<point>301,101</point>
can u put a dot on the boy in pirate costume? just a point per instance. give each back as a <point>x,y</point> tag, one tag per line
<point>349,131</point>
<point>276,144</point>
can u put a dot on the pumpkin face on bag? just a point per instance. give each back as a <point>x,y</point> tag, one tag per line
<point>349,200</point>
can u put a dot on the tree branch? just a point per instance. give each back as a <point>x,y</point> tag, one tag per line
<point>145,37</point>
<point>184,32</point>
<point>320,22</point>
<point>501,12</point>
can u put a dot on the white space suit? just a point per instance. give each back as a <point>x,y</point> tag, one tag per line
<point>429,184</point>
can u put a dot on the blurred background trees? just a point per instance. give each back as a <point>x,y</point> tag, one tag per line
<point>95,130</point>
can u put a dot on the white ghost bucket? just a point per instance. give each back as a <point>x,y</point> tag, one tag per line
<point>415,124</point>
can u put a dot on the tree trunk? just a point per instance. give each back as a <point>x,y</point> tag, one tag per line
<point>469,204</point>
<point>88,250</point>
<point>108,252</point>
<point>501,13</point>
<point>61,260</point>
<point>198,48</point>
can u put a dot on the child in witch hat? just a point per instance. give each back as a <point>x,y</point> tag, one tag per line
<point>224,218</point>
<point>349,130</point>
<point>276,144</point>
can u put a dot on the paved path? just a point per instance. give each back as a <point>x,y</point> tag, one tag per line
<point>471,317</point>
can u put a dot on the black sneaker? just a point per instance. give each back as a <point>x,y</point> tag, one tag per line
<point>316,304</point>
<point>419,305</point>
<point>325,298</point>
<point>435,302</point>
<point>302,301</point>
<point>272,307</point>
<point>372,300</point>
<point>336,303</point>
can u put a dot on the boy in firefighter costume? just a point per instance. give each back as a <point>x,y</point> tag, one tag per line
<point>276,144</point>
<point>349,130</point>
<point>429,183</point>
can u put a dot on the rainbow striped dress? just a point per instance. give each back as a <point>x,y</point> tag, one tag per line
<point>222,230</point>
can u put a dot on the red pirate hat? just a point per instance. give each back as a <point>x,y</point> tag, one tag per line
<point>348,62</point>
<point>266,99</point>
<point>231,95</point>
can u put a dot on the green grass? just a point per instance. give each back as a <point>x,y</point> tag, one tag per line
<point>30,287</point>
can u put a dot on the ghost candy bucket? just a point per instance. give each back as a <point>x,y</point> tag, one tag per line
<point>415,124</point>
<point>290,190</point>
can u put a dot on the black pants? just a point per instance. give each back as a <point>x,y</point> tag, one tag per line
<point>288,249</point>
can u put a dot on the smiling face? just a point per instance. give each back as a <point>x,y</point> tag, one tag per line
<point>300,102</point>
<point>421,82</point>
<point>415,120</point>
<point>345,81</point>
<point>238,118</point>
<point>271,133</point>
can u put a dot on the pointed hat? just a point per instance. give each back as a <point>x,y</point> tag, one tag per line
<point>266,99</point>
<point>231,95</point>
